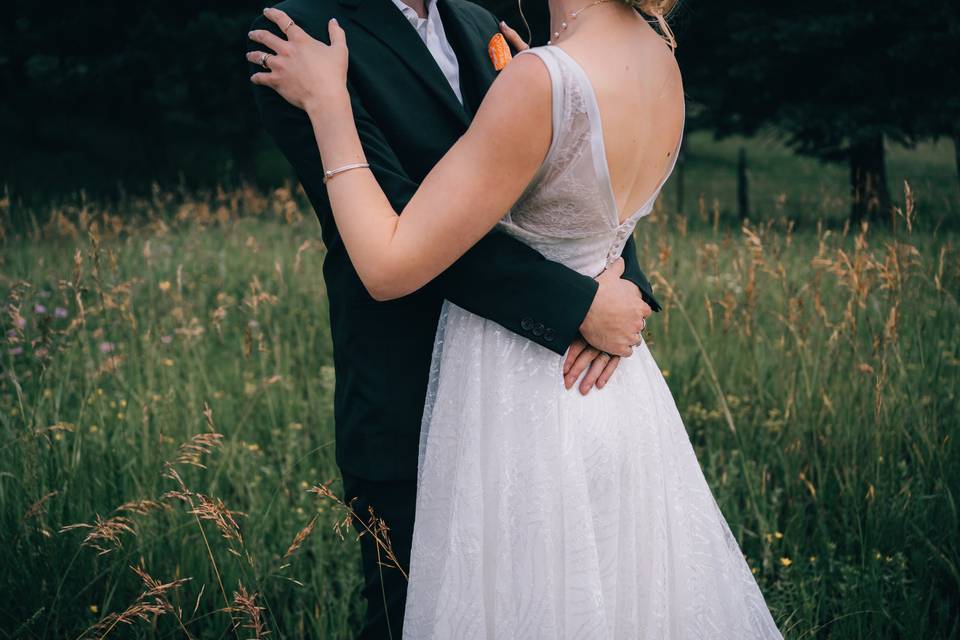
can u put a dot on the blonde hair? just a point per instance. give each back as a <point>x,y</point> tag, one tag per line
<point>658,9</point>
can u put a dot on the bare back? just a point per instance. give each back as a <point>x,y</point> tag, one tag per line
<point>639,91</point>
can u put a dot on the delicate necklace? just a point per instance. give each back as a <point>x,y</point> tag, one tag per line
<point>573,16</point>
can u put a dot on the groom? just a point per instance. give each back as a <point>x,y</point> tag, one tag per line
<point>418,72</point>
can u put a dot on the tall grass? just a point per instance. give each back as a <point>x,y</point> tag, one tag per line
<point>166,428</point>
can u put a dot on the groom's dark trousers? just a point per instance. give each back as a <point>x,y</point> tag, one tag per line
<point>408,117</point>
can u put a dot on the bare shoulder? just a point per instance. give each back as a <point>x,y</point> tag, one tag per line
<point>520,94</point>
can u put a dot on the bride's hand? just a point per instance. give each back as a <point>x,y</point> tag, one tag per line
<point>306,72</point>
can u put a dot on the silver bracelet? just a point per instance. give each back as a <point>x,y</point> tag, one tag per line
<point>327,175</point>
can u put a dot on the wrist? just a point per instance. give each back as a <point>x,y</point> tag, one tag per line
<point>328,105</point>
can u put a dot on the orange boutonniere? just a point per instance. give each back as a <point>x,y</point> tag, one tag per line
<point>499,52</point>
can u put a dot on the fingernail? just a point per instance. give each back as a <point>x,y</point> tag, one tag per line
<point>334,21</point>
<point>265,9</point>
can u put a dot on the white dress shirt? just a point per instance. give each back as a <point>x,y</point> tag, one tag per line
<point>432,34</point>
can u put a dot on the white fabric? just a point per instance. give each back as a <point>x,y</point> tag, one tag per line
<point>542,513</point>
<point>431,32</point>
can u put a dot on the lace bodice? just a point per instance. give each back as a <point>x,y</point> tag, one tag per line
<point>568,212</point>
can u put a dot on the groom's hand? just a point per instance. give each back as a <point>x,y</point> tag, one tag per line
<point>617,315</point>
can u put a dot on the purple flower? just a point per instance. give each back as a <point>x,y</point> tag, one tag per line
<point>16,351</point>
<point>60,312</point>
<point>166,339</point>
<point>106,347</point>
<point>11,333</point>
<point>21,322</point>
<point>39,308</point>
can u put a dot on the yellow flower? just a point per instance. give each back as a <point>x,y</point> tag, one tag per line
<point>167,362</point>
<point>48,393</point>
<point>813,559</point>
<point>754,570</point>
<point>296,426</point>
<point>665,373</point>
<point>123,403</point>
<point>165,285</point>
<point>94,608</point>
<point>778,535</point>
<point>785,561</point>
<point>94,428</point>
<point>120,415</point>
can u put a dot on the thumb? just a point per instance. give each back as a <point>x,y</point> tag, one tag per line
<point>513,37</point>
<point>338,37</point>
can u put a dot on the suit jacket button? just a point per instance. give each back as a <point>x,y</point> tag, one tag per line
<point>527,324</point>
<point>538,329</point>
<point>548,335</point>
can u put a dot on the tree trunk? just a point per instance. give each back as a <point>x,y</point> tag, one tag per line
<point>681,163</point>
<point>956,152</point>
<point>743,185</point>
<point>870,197</point>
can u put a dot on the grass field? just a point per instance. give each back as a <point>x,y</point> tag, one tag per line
<point>817,370</point>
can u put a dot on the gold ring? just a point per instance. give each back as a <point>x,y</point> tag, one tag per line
<point>289,24</point>
<point>263,61</point>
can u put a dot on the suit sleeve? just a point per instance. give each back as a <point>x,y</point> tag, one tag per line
<point>499,278</point>
<point>633,273</point>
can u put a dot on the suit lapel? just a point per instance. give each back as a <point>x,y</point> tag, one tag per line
<point>385,22</point>
<point>476,70</point>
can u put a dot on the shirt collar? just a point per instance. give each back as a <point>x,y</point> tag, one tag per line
<point>412,16</point>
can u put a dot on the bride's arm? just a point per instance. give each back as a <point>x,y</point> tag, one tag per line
<point>461,199</point>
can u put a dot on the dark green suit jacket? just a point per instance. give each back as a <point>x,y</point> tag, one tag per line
<point>408,117</point>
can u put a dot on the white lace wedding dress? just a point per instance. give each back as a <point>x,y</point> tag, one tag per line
<point>542,513</point>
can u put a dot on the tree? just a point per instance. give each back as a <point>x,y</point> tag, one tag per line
<point>99,93</point>
<point>837,79</point>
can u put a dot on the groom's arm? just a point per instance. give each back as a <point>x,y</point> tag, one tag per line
<point>500,278</point>
<point>634,274</point>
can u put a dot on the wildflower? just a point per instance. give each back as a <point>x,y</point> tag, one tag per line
<point>20,321</point>
<point>165,285</point>
<point>123,402</point>
<point>48,393</point>
<point>94,609</point>
<point>785,561</point>
<point>39,308</point>
<point>107,347</point>
<point>15,351</point>
<point>296,426</point>
<point>665,373</point>
<point>99,391</point>
<point>120,415</point>
<point>813,559</point>
<point>167,362</point>
<point>778,535</point>
<point>754,570</point>
<point>94,428</point>
<point>60,312</point>
<point>166,339</point>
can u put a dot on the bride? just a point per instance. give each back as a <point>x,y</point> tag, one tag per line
<point>541,513</point>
